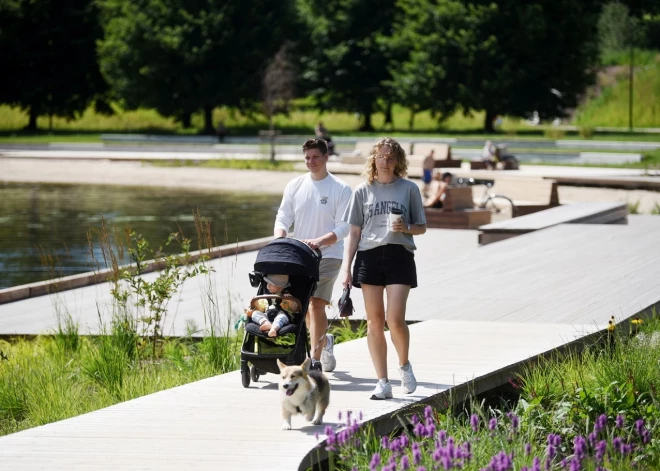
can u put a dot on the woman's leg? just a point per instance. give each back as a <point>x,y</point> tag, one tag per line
<point>373,303</point>
<point>397,296</point>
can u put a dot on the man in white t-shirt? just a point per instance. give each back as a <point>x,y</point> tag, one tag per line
<point>314,203</point>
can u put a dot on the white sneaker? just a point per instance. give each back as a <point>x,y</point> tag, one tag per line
<point>408,380</point>
<point>328,359</point>
<point>383,390</point>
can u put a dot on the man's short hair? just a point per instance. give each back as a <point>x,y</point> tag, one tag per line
<point>315,143</point>
<point>447,174</point>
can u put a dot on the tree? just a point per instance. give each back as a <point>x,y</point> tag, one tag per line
<point>278,89</point>
<point>429,46</point>
<point>532,56</point>
<point>48,53</point>
<point>345,60</point>
<point>179,57</point>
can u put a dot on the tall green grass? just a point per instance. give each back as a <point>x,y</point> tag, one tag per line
<point>611,107</point>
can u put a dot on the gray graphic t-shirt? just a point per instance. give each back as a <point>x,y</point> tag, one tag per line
<point>370,209</point>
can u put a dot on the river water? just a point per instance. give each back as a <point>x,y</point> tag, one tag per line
<point>45,229</point>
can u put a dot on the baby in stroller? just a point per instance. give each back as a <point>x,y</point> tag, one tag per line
<point>273,317</point>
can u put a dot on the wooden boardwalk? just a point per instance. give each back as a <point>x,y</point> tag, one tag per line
<point>485,309</point>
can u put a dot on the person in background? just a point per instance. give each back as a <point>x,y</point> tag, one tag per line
<point>427,167</point>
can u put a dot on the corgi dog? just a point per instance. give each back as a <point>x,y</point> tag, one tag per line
<point>303,392</point>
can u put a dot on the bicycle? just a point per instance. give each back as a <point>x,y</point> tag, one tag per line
<point>497,204</point>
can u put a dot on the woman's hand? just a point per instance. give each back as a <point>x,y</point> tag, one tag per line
<point>399,226</point>
<point>346,278</point>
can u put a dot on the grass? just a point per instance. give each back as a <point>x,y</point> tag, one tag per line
<point>301,121</point>
<point>281,166</point>
<point>611,107</point>
<point>593,411</point>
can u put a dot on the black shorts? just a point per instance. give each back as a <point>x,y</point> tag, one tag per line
<point>390,264</point>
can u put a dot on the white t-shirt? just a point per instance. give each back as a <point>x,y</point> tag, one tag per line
<point>316,208</point>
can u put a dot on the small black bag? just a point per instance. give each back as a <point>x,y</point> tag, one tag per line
<point>345,304</point>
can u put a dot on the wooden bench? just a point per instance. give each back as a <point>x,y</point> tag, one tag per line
<point>457,212</point>
<point>442,154</point>
<point>576,213</point>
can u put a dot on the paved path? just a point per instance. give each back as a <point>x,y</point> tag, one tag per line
<point>485,310</point>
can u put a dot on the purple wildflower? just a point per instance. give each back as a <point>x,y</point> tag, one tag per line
<point>551,451</point>
<point>446,462</point>
<point>646,437</point>
<point>428,413</point>
<point>620,419</point>
<point>639,426</point>
<point>515,421</point>
<point>528,449</point>
<point>601,448</point>
<point>375,461</point>
<point>492,424</point>
<point>421,468</point>
<point>442,436</point>
<point>415,419</point>
<point>617,444</point>
<point>601,423</point>
<point>575,464</point>
<point>474,422</point>
<point>417,454</point>
<point>579,448</point>
<point>563,463</point>
<point>405,463</point>
<point>592,437</point>
<point>536,464</point>
<point>385,441</point>
<point>339,416</point>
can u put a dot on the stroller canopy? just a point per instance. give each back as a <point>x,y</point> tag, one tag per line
<point>288,256</point>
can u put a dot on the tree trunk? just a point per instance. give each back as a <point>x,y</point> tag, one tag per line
<point>366,122</point>
<point>411,121</point>
<point>271,126</point>
<point>32,124</point>
<point>186,120</point>
<point>488,121</point>
<point>208,120</point>
<point>388,115</point>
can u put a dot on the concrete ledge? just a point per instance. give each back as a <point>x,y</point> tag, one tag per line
<point>42,288</point>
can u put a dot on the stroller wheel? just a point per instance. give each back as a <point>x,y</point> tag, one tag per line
<point>245,375</point>
<point>254,373</point>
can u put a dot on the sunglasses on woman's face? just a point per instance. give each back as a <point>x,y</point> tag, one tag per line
<point>389,158</point>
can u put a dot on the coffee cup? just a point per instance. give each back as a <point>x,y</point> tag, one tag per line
<point>395,215</point>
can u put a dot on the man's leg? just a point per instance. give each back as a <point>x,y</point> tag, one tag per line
<point>317,321</point>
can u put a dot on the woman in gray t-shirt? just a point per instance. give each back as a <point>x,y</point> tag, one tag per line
<point>383,249</point>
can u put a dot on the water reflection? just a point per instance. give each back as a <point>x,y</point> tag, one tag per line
<point>38,220</point>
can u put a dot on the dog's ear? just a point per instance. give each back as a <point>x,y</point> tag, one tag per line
<point>306,365</point>
<point>280,364</point>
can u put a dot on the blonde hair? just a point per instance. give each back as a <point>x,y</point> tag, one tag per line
<point>401,168</point>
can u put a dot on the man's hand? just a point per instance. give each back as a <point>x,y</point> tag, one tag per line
<point>314,243</point>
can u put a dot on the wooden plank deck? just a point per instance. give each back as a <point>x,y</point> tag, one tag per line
<point>216,424</point>
<point>574,213</point>
<point>486,309</point>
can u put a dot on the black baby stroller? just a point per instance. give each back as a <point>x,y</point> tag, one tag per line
<point>288,257</point>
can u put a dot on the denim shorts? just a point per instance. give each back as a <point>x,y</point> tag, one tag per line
<point>390,264</point>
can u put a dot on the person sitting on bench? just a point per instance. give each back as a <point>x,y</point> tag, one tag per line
<point>436,200</point>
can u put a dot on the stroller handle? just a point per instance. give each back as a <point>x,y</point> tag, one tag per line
<point>275,296</point>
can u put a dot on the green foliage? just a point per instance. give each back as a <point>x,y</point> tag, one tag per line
<point>151,298</point>
<point>633,207</point>
<point>344,61</point>
<point>48,52</point>
<point>179,57</point>
<point>610,108</point>
<point>614,27</point>
<point>345,332</point>
<point>278,165</point>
